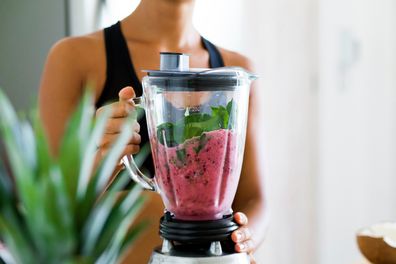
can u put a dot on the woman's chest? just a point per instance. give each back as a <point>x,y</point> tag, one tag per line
<point>109,73</point>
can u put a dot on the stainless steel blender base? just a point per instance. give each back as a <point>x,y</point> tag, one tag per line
<point>165,255</point>
<point>162,258</point>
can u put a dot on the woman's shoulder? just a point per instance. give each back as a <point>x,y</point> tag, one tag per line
<point>81,51</point>
<point>81,43</point>
<point>233,58</point>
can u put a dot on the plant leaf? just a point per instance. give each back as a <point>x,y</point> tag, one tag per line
<point>193,125</point>
<point>114,155</point>
<point>90,152</point>
<point>54,209</point>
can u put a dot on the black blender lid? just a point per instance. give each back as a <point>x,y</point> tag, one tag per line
<point>175,75</point>
<point>225,72</point>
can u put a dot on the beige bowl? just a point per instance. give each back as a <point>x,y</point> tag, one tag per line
<point>378,243</point>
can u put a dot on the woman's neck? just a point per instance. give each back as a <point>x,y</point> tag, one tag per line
<point>167,23</point>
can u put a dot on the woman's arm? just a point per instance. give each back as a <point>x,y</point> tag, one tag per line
<point>61,88</point>
<point>68,70</point>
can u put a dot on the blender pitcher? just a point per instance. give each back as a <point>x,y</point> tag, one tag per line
<point>197,125</point>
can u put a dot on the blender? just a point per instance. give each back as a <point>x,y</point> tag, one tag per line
<point>196,122</point>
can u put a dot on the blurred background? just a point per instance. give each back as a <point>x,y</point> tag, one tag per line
<point>328,92</point>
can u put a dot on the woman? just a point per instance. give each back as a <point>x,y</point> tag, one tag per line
<point>113,59</point>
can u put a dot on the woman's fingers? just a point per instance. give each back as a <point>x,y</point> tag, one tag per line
<point>242,237</point>
<point>109,139</point>
<point>241,218</point>
<point>114,126</point>
<point>118,109</point>
<point>119,113</point>
<point>126,94</point>
<point>252,259</point>
<point>129,150</point>
<point>123,107</point>
<point>241,234</point>
<point>246,246</point>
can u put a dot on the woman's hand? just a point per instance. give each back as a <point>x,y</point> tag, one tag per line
<point>119,113</point>
<point>242,236</point>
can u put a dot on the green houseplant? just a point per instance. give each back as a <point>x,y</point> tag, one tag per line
<point>61,210</point>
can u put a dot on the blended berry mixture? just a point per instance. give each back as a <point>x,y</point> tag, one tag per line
<point>196,178</point>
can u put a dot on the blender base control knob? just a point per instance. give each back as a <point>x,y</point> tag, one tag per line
<point>166,246</point>
<point>215,248</point>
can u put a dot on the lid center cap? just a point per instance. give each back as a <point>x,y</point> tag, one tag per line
<point>171,61</point>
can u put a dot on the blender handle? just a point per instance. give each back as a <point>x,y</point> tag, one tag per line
<point>130,164</point>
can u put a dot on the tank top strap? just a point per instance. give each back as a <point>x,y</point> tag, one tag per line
<point>215,58</point>
<point>119,67</point>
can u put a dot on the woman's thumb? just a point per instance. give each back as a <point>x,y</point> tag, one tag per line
<point>126,93</point>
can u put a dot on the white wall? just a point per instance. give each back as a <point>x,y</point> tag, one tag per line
<point>221,22</point>
<point>116,10</point>
<point>27,29</point>
<point>82,16</point>
<point>357,122</point>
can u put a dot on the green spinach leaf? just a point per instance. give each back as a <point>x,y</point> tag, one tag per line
<point>194,125</point>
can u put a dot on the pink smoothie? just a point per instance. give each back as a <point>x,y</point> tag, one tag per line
<point>196,178</point>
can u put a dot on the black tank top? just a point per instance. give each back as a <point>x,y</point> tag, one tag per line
<point>120,73</point>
